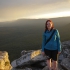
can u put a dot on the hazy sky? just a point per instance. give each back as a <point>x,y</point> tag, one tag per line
<point>15,9</point>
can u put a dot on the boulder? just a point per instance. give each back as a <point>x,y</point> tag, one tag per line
<point>4,61</point>
<point>29,58</point>
<point>66,63</point>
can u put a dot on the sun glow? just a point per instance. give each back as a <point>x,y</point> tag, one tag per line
<point>41,16</point>
<point>51,15</point>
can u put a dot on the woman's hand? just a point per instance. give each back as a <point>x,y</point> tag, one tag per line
<point>59,52</point>
<point>43,53</point>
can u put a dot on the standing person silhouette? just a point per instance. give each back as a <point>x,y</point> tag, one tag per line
<point>53,47</point>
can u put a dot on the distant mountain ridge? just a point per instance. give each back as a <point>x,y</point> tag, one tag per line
<point>21,22</point>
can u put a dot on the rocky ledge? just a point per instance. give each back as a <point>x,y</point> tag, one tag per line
<point>34,60</point>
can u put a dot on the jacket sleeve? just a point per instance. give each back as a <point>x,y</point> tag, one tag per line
<point>58,41</point>
<point>43,42</point>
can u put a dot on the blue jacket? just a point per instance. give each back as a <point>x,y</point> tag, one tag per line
<point>54,43</point>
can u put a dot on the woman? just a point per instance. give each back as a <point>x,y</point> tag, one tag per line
<point>53,47</point>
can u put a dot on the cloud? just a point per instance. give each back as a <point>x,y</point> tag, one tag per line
<point>9,3</point>
<point>13,9</point>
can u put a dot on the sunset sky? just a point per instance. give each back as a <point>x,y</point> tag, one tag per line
<point>17,9</point>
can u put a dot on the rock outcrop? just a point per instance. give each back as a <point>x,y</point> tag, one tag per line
<point>29,58</point>
<point>4,61</point>
<point>34,60</point>
<point>65,61</point>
